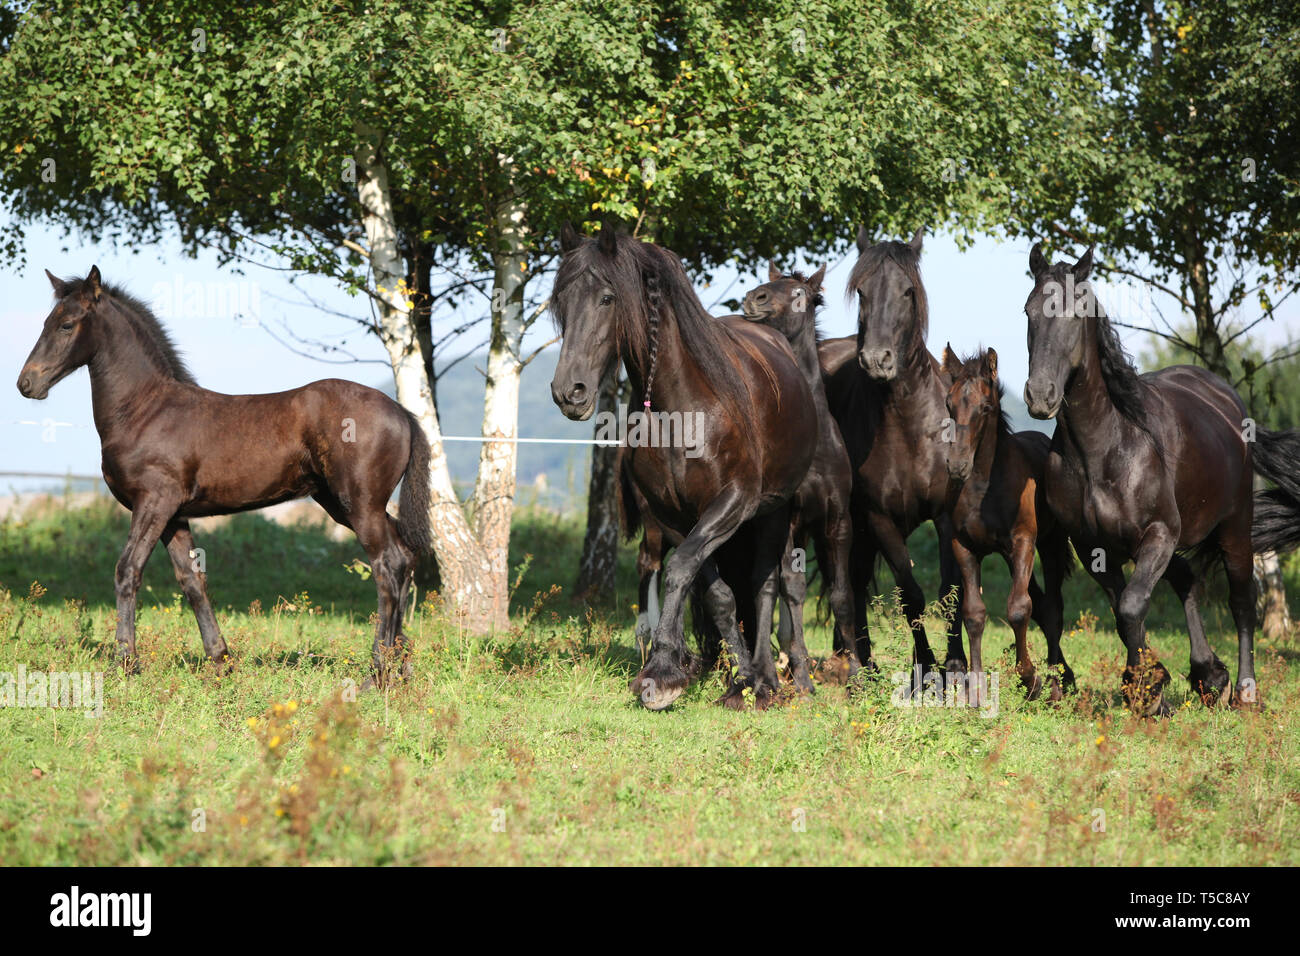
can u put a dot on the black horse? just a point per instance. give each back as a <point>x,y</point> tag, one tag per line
<point>615,299</point>
<point>889,396</point>
<point>1153,468</point>
<point>174,451</point>
<point>788,303</point>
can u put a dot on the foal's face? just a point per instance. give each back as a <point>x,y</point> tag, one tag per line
<point>972,405</point>
<point>66,341</point>
<point>886,320</point>
<point>784,303</point>
<point>1058,310</point>
<point>587,311</point>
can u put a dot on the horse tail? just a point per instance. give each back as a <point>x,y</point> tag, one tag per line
<point>413,503</point>
<point>1276,525</point>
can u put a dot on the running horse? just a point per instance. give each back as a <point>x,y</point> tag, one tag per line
<point>1153,468</point>
<point>889,395</point>
<point>173,451</point>
<point>619,299</point>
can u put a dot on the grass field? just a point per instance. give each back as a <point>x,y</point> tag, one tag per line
<point>529,748</point>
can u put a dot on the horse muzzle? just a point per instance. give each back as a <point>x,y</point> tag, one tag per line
<point>1043,401</point>
<point>33,384</point>
<point>880,364</point>
<point>576,402</point>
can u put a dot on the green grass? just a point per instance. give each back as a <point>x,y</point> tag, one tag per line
<point>529,748</point>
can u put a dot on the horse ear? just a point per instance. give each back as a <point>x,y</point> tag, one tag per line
<point>916,240</point>
<point>60,287</point>
<point>815,280</point>
<point>991,363</point>
<point>864,239</point>
<point>1037,261</point>
<point>1083,267</point>
<point>608,239</point>
<point>773,273</point>
<point>951,364</point>
<point>93,285</point>
<point>570,238</point>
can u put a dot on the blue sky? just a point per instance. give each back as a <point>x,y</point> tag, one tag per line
<point>976,298</point>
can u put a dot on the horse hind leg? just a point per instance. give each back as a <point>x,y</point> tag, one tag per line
<point>794,590</point>
<point>392,565</point>
<point>1239,564</point>
<point>179,542</point>
<point>1207,674</point>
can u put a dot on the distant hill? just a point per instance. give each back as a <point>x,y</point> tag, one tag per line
<point>564,467</point>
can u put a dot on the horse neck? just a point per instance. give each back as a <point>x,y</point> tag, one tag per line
<point>672,358</point>
<point>803,340</point>
<point>1088,418</point>
<point>122,375</point>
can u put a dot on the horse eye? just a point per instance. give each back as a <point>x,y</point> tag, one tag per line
<point>66,327</point>
<point>606,300</point>
<point>908,292</point>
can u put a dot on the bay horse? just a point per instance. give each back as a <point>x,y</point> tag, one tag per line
<point>889,396</point>
<point>821,506</point>
<point>619,299</point>
<point>998,506</point>
<point>1152,468</point>
<point>174,451</point>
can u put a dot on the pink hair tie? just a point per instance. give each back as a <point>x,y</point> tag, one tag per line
<point>646,403</point>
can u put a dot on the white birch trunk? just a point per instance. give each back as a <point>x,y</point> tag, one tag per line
<point>494,490</point>
<point>462,564</point>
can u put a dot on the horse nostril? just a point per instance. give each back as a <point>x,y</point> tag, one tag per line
<point>25,385</point>
<point>578,392</point>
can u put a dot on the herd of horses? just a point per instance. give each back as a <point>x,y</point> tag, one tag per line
<point>851,443</point>
<point>856,441</point>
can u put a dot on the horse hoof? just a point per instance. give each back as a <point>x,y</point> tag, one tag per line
<point>1033,685</point>
<point>1212,684</point>
<point>657,694</point>
<point>1246,696</point>
<point>1054,693</point>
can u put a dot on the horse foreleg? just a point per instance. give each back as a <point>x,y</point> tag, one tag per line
<point>974,614</point>
<point>794,590</point>
<point>148,519</point>
<point>1144,676</point>
<point>1049,610</point>
<point>194,582</point>
<point>834,555</point>
<point>894,547</point>
<point>954,664</point>
<point>665,676</point>
<point>1020,608</point>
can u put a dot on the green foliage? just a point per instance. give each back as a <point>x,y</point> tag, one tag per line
<point>723,128</point>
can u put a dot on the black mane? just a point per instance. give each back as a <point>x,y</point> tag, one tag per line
<point>154,338</point>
